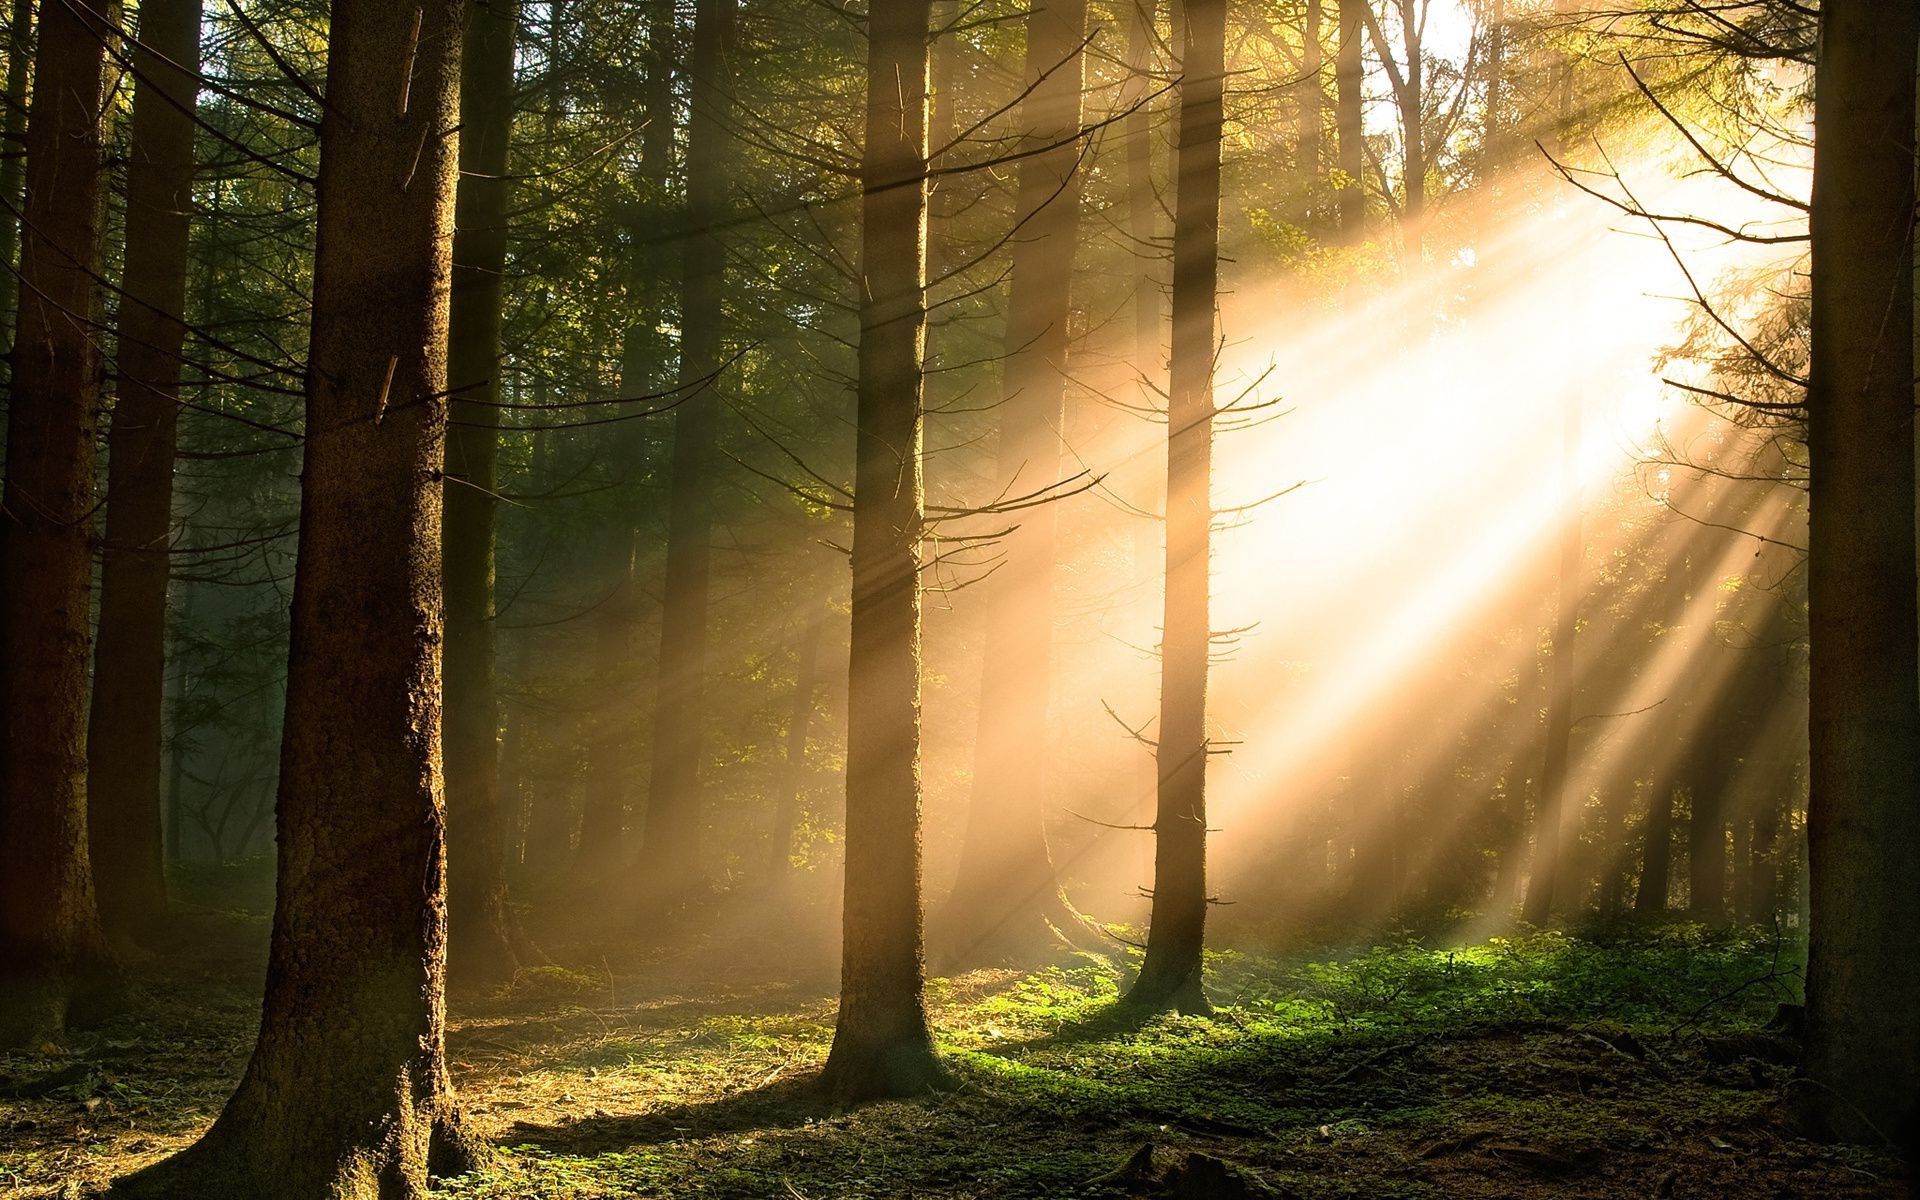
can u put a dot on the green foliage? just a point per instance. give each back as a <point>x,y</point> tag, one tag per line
<point>1376,1052</point>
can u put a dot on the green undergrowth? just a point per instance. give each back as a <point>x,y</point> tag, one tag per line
<point>1495,1068</point>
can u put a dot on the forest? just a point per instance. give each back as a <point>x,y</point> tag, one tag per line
<point>1196,599</point>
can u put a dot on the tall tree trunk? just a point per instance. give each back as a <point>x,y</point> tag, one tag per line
<point>1170,977</point>
<point>1551,839</point>
<point>481,936</point>
<point>124,725</point>
<point>1862,1057</point>
<point>347,1093</point>
<point>786,809</point>
<point>881,1043</point>
<point>670,857</point>
<point>1349,122</point>
<point>1007,899</point>
<point>52,953</point>
<point>13,165</point>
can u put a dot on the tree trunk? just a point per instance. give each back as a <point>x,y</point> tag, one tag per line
<point>1656,854</point>
<point>1413,133</point>
<point>1006,902</point>
<point>13,165</point>
<point>1862,1058</point>
<point>124,725</point>
<point>670,854</point>
<point>53,960</point>
<point>1310,113</point>
<point>347,1093</point>
<point>1170,977</point>
<point>1143,204</point>
<point>1350,83</point>
<point>480,927</point>
<point>1551,839</point>
<point>881,1043</point>
<point>786,810</point>
<point>1712,772</point>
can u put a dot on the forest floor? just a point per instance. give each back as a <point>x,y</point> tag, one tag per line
<point>1636,1065</point>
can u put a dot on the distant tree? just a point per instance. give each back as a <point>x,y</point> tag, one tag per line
<point>670,858</point>
<point>1349,118</point>
<point>881,1042</point>
<point>1860,1070</point>
<point>1007,893</point>
<point>347,1093</point>
<point>1171,975</point>
<point>480,926</point>
<point>124,726</point>
<point>53,959</point>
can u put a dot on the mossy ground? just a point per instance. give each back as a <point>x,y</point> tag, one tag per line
<point>1635,1064</point>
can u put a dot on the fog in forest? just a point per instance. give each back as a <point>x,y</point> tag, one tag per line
<point>737,598</point>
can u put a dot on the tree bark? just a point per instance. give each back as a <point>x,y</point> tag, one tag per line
<point>1006,902</point>
<point>670,854</point>
<point>53,961</point>
<point>481,936</point>
<point>881,1043</point>
<point>347,1093</point>
<point>124,725</point>
<point>1170,977</point>
<point>1861,1065</point>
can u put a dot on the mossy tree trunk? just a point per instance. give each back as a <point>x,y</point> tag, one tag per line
<point>881,1043</point>
<point>347,1093</point>
<point>53,961</point>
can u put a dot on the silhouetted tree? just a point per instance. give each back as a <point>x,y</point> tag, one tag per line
<point>1861,1064</point>
<point>53,961</point>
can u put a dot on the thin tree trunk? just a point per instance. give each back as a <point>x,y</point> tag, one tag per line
<point>881,1043</point>
<point>670,854</point>
<point>1707,824</point>
<point>1656,854</point>
<point>1551,836</point>
<point>1143,204</point>
<point>786,809</point>
<point>480,927</point>
<point>1170,977</point>
<point>347,1093</point>
<point>124,725</point>
<point>1349,123</point>
<point>53,962</point>
<point>1862,1058</point>
<point>1007,900</point>
<point>1310,114</point>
